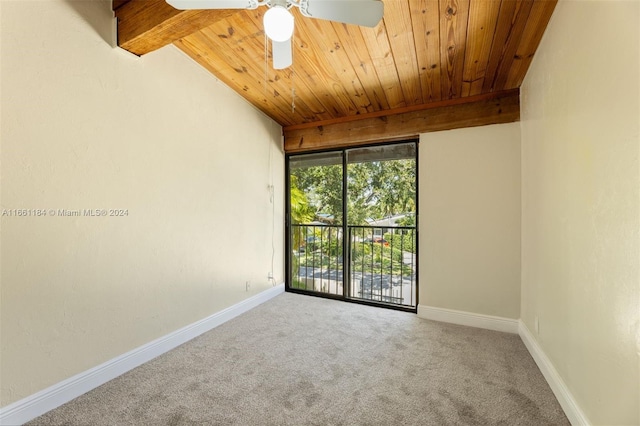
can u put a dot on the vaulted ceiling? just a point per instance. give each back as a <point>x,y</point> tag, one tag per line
<point>428,65</point>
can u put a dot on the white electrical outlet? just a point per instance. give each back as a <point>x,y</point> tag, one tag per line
<point>248,285</point>
<point>270,275</point>
<point>536,324</point>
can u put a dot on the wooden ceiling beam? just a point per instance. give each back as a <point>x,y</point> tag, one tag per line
<point>147,25</point>
<point>404,123</point>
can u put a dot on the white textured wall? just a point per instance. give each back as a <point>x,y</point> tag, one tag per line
<point>581,204</point>
<point>470,220</point>
<point>87,126</point>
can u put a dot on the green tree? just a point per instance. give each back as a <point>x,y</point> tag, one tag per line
<point>393,184</point>
<point>301,211</point>
<point>323,187</point>
<point>375,189</point>
<point>408,220</point>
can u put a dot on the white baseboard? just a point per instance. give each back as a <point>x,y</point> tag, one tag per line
<point>488,322</point>
<point>39,403</point>
<point>571,408</point>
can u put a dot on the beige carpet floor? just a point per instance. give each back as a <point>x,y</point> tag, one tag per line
<point>300,360</point>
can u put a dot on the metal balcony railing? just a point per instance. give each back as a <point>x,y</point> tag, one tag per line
<point>381,262</point>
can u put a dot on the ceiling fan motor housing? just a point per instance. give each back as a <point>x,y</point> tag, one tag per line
<point>278,21</point>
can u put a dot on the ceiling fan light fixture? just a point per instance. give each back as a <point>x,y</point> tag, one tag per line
<point>278,24</point>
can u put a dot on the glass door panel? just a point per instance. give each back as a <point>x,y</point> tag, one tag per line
<point>381,218</point>
<point>316,225</point>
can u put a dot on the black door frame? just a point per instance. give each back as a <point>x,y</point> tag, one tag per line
<point>346,277</point>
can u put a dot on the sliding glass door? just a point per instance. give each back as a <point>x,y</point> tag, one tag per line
<point>351,230</point>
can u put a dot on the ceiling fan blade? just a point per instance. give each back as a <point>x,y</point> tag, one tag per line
<point>213,4</point>
<point>360,12</point>
<point>282,54</point>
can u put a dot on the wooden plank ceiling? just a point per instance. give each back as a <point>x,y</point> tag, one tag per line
<point>413,72</point>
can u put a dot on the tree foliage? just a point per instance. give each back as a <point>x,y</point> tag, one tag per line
<point>301,211</point>
<point>323,187</point>
<point>375,189</point>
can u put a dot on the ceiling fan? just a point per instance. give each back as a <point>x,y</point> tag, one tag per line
<point>278,21</point>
